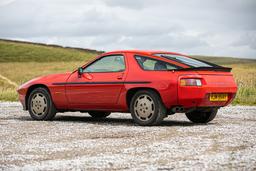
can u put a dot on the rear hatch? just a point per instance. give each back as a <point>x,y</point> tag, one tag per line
<point>220,81</point>
<point>216,83</point>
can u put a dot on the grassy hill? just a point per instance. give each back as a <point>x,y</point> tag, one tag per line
<point>21,61</point>
<point>18,51</point>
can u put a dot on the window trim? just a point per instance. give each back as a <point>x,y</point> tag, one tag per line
<point>177,67</point>
<point>104,57</point>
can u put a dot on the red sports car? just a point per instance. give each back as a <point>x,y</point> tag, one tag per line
<point>149,84</point>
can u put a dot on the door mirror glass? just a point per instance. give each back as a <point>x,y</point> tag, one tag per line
<point>80,71</point>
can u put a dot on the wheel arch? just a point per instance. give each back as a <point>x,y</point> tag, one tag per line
<point>130,93</point>
<point>30,89</point>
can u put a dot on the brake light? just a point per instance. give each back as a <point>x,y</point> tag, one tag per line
<point>190,82</point>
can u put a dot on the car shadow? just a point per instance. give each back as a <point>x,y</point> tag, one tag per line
<point>113,121</point>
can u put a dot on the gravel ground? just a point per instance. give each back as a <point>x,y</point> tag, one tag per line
<point>76,141</point>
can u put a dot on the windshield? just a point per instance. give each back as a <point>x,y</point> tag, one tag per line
<point>185,60</point>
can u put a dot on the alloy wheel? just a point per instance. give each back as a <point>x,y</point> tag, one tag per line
<point>144,107</point>
<point>39,104</point>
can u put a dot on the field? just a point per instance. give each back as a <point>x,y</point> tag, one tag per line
<point>20,61</point>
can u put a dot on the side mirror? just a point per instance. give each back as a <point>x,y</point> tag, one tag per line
<point>80,71</point>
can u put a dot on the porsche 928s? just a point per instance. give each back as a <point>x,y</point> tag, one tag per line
<point>149,84</point>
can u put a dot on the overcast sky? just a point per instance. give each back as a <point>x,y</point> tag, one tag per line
<point>206,27</point>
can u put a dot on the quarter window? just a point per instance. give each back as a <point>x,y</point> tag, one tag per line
<point>113,63</point>
<point>150,64</point>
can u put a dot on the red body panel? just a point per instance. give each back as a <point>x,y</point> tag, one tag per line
<point>89,96</point>
<point>108,91</point>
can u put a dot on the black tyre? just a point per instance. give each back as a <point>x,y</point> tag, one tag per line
<point>99,114</point>
<point>202,115</point>
<point>146,108</point>
<point>40,105</point>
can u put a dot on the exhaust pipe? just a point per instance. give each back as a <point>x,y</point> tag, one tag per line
<point>177,109</point>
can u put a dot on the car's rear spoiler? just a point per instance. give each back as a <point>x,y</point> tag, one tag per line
<point>222,69</point>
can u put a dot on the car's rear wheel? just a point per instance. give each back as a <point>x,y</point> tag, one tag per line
<point>202,115</point>
<point>40,105</point>
<point>99,114</point>
<point>147,108</point>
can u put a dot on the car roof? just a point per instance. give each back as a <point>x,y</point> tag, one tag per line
<point>145,52</point>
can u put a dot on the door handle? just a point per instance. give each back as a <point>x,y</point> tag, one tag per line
<point>119,77</point>
<point>88,76</point>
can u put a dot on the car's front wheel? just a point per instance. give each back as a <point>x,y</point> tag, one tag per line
<point>40,105</point>
<point>147,108</point>
<point>99,114</point>
<point>202,115</point>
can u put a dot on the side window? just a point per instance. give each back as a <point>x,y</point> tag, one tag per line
<point>150,64</point>
<point>114,63</point>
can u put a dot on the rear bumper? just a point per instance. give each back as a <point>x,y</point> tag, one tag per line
<point>199,96</point>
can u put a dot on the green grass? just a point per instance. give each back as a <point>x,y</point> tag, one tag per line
<point>27,52</point>
<point>21,62</point>
<point>245,76</point>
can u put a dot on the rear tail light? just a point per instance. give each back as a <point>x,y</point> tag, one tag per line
<point>190,82</point>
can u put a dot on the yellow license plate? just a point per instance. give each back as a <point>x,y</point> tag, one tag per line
<point>218,97</point>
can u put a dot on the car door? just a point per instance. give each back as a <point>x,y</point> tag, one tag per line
<point>99,85</point>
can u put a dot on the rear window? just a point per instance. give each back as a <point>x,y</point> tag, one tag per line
<point>186,60</point>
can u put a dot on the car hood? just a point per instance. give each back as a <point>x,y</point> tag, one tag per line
<point>47,80</point>
<point>55,77</point>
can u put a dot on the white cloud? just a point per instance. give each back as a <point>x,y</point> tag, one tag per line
<point>5,2</point>
<point>194,27</point>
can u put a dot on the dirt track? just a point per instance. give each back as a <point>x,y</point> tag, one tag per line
<point>76,141</point>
